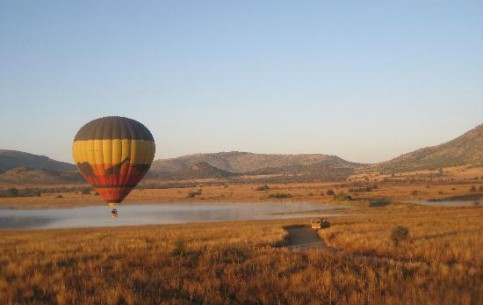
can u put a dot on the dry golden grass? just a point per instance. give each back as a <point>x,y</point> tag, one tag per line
<point>300,192</point>
<point>236,263</point>
<point>466,172</point>
<point>437,235</point>
<point>420,185</point>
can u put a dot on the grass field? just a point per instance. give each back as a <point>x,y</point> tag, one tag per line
<point>362,189</point>
<point>242,263</point>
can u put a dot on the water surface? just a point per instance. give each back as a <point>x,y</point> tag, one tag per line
<point>444,203</point>
<point>99,216</point>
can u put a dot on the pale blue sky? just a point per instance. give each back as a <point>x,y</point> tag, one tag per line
<point>364,80</point>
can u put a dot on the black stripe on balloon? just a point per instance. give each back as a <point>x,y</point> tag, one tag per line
<point>114,127</point>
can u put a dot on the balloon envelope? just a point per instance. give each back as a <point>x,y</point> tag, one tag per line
<point>113,154</point>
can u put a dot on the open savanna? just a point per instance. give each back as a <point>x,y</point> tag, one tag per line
<point>243,263</point>
<point>362,188</point>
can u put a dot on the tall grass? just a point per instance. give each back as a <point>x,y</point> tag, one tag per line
<point>237,263</point>
<point>446,236</point>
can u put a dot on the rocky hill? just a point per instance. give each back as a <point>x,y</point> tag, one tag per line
<point>202,170</point>
<point>22,175</point>
<point>466,149</point>
<point>250,163</point>
<point>10,159</point>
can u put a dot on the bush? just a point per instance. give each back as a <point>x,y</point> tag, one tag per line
<point>473,188</point>
<point>12,192</point>
<point>342,197</point>
<point>330,192</point>
<point>26,192</point>
<point>262,188</point>
<point>86,191</point>
<point>280,195</point>
<point>180,248</point>
<point>379,203</point>
<point>399,234</point>
<point>194,194</point>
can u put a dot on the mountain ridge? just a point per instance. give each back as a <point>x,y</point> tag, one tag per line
<point>22,175</point>
<point>467,149</point>
<point>10,159</point>
<point>248,163</point>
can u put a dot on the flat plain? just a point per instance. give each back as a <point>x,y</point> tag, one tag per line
<point>438,262</point>
<point>359,189</point>
<point>247,263</point>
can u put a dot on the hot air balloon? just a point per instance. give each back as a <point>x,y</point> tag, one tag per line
<point>113,154</point>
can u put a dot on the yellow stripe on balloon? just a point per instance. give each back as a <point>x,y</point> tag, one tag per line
<point>107,154</point>
<point>114,151</point>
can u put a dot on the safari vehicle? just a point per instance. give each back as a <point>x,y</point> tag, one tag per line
<point>320,223</point>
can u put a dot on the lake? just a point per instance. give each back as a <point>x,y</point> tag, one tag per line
<point>146,214</point>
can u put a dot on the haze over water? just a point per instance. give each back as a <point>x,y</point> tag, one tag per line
<point>99,216</point>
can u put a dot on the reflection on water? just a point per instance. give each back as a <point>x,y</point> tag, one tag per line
<point>444,203</point>
<point>23,222</point>
<point>156,214</point>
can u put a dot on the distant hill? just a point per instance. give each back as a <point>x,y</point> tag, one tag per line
<point>250,163</point>
<point>466,149</point>
<point>10,159</point>
<point>22,175</point>
<point>316,171</point>
<point>202,170</point>
<point>271,167</point>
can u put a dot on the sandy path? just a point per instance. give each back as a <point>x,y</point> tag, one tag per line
<point>304,238</point>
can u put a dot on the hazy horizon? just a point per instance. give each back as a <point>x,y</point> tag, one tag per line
<point>364,81</point>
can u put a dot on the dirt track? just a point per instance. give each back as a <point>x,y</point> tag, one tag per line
<point>304,238</point>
